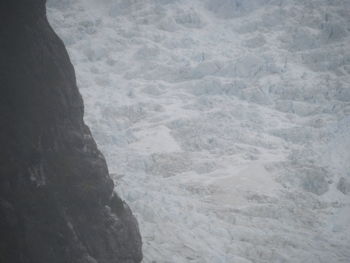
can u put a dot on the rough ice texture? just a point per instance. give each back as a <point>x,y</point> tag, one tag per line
<point>57,202</point>
<point>224,122</point>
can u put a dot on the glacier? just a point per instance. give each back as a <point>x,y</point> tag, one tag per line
<point>225,123</point>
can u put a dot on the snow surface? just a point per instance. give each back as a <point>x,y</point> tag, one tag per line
<point>226,123</point>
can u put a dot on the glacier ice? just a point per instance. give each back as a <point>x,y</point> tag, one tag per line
<point>228,119</point>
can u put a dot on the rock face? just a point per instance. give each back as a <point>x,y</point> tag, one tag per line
<point>56,198</point>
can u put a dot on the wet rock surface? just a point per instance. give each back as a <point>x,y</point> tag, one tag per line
<point>56,197</point>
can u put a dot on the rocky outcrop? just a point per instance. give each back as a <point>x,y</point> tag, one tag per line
<point>57,202</point>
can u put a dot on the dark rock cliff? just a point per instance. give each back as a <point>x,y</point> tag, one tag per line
<point>57,202</point>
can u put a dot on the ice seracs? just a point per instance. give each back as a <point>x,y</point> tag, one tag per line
<point>228,119</point>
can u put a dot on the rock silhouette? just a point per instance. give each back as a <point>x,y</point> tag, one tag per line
<point>56,197</point>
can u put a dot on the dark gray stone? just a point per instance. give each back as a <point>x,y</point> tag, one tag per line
<point>57,202</point>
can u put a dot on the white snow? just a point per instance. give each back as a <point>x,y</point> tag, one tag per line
<point>226,123</point>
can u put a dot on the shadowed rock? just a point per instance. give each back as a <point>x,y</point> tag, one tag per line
<point>56,198</point>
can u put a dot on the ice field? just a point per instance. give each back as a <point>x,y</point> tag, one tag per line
<point>225,123</point>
